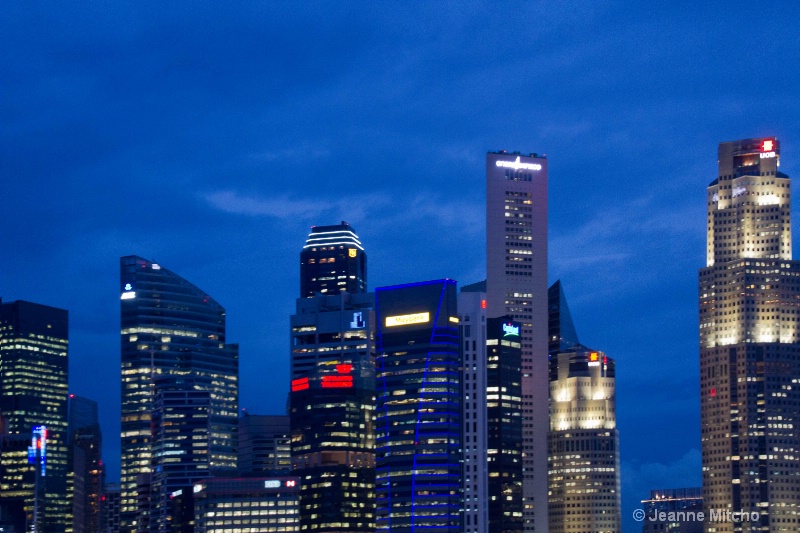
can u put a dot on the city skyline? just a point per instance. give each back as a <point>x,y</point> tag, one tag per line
<point>212,141</point>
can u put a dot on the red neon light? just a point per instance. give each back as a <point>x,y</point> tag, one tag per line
<point>605,360</point>
<point>299,384</point>
<point>483,304</point>
<point>337,382</point>
<point>344,369</point>
<point>768,146</point>
<point>713,392</point>
<point>291,483</point>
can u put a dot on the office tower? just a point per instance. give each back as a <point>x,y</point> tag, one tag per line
<point>492,413</point>
<point>264,445</point>
<point>749,343</point>
<point>86,464</point>
<point>418,408</point>
<point>183,432</point>
<point>110,508</point>
<point>475,476</point>
<point>332,261</point>
<point>33,403</point>
<point>681,507</point>
<point>583,443</point>
<point>561,327</point>
<point>170,327</point>
<point>224,505</point>
<point>504,423</point>
<point>332,403</point>
<point>516,286</point>
<point>329,329</point>
<point>333,446</point>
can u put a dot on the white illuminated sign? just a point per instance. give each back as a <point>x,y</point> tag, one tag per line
<point>594,363</point>
<point>768,155</point>
<point>517,165</point>
<point>177,493</point>
<point>272,484</point>
<point>128,287</point>
<point>358,321</point>
<point>197,488</point>
<point>405,320</point>
<point>127,295</point>
<point>508,329</point>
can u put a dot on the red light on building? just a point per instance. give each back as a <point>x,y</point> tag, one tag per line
<point>483,304</point>
<point>299,384</point>
<point>768,146</point>
<point>344,369</point>
<point>291,483</point>
<point>337,382</point>
<point>713,392</point>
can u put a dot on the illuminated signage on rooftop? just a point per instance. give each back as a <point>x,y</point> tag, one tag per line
<point>405,320</point>
<point>767,155</point>
<point>768,146</point>
<point>510,329</point>
<point>272,484</point>
<point>517,165</point>
<point>594,359</point>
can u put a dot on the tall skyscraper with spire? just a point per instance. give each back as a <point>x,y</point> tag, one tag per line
<point>750,343</point>
<point>516,286</point>
<point>171,328</point>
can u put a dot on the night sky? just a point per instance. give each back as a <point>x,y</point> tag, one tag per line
<point>210,137</point>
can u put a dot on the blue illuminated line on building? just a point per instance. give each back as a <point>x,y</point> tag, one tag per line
<point>418,362</point>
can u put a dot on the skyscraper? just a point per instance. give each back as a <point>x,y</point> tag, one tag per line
<point>33,401</point>
<point>516,286</point>
<point>583,443</point>
<point>86,465</point>
<point>332,261</point>
<point>750,343</point>
<point>332,399</point>
<point>170,327</point>
<point>418,408</point>
<point>264,445</point>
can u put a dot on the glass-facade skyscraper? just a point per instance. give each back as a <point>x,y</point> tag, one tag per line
<point>516,286</point>
<point>750,343</point>
<point>332,261</point>
<point>33,400</point>
<point>418,408</point>
<point>170,327</point>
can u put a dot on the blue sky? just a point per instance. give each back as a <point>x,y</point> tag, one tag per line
<point>209,137</point>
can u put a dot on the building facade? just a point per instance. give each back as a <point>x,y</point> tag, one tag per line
<point>516,286</point>
<point>33,405</point>
<point>264,445</point>
<point>170,327</point>
<point>583,443</point>
<point>332,261</point>
<point>418,408</point>
<point>673,511</point>
<point>86,464</point>
<point>749,299</point>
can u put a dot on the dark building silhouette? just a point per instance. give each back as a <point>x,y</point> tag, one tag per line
<point>86,464</point>
<point>332,261</point>
<point>170,327</point>
<point>264,445</point>
<point>33,403</point>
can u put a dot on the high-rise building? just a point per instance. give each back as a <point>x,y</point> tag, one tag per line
<point>332,261</point>
<point>563,335</point>
<point>33,403</point>
<point>223,505</point>
<point>170,327</point>
<point>86,464</point>
<point>110,509</point>
<point>750,343</point>
<point>516,286</point>
<point>492,417</point>
<point>183,433</point>
<point>583,443</point>
<point>680,508</point>
<point>418,409</point>
<point>264,445</point>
